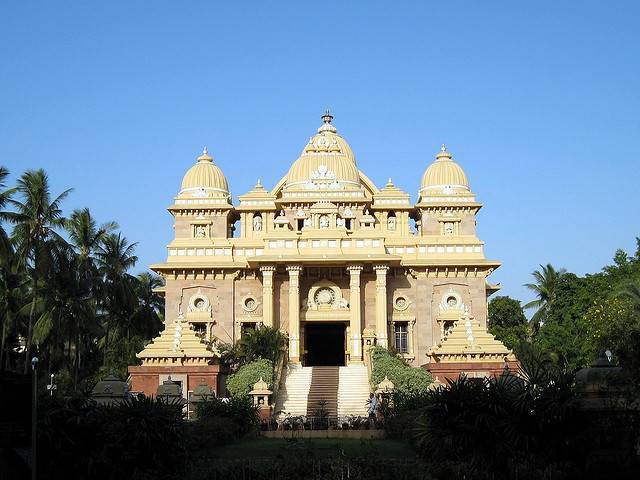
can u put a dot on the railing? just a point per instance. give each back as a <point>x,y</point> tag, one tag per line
<point>329,422</point>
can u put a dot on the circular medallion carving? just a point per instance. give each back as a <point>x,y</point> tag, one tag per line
<point>325,296</point>
<point>401,303</point>
<point>249,304</point>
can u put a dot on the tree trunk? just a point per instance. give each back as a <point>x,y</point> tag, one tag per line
<point>32,313</point>
<point>4,334</point>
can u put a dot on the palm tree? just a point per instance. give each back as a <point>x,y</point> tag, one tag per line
<point>149,315</point>
<point>36,218</point>
<point>631,291</point>
<point>115,258</point>
<point>13,282</point>
<point>86,238</point>
<point>545,289</point>
<point>5,197</point>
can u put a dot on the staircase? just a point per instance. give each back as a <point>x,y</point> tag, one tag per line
<point>345,389</point>
<point>323,388</point>
<point>353,391</point>
<point>292,397</point>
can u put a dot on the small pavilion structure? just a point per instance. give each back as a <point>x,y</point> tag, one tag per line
<point>180,354</point>
<point>469,349</point>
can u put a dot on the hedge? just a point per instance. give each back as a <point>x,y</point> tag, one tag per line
<point>408,381</point>
<point>241,383</point>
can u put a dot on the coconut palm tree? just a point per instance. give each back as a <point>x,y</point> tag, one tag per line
<point>116,256</point>
<point>13,283</point>
<point>5,197</point>
<point>631,291</point>
<point>36,218</point>
<point>546,282</point>
<point>149,314</point>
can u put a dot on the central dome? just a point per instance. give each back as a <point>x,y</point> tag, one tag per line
<point>326,162</point>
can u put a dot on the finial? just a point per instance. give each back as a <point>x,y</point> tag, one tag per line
<point>259,182</point>
<point>389,182</point>
<point>327,117</point>
<point>206,152</point>
<point>443,148</point>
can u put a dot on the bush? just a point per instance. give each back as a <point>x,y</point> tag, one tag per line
<point>209,432</point>
<point>409,382</point>
<point>241,383</point>
<point>240,410</point>
<point>138,439</point>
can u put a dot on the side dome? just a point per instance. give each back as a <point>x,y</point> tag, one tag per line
<point>444,176</point>
<point>326,162</point>
<point>204,179</point>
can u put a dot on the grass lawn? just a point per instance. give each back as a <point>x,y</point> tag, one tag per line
<point>254,448</point>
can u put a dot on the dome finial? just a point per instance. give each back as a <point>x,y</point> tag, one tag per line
<point>205,157</point>
<point>443,148</point>
<point>327,117</point>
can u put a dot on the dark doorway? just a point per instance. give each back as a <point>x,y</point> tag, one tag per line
<point>324,343</point>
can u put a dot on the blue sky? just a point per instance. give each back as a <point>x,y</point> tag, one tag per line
<point>538,101</point>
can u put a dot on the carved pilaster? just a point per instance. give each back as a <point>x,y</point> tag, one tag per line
<point>355,320</point>
<point>294,312</point>
<point>267,294</point>
<point>381,304</point>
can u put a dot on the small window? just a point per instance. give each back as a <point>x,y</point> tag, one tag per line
<point>347,223</point>
<point>246,327</point>
<point>401,334</point>
<point>300,224</point>
<point>200,328</point>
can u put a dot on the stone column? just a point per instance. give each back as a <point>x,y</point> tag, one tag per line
<point>355,320</point>
<point>267,294</point>
<point>294,312</point>
<point>411,325</point>
<point>381,304</point>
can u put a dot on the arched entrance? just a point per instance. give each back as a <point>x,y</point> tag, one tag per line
<point>324,344</point>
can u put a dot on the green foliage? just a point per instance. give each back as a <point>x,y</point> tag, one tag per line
<point>240,383</point>
<point>141,438</point>
<point>240,410</point>
<point>408,381</point>
<point>506,312</point>
<point>65,286</point>
<point>263,342</point>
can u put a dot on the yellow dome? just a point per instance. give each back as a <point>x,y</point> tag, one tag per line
<point>444,176</point>
<point>326,162</point>
<point>205,177</point>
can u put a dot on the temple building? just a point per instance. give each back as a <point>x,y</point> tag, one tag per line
<point>332,260</point>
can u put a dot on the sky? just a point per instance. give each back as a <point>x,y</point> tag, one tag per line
<point>539,102</point>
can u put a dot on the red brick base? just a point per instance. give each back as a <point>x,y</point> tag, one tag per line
<point>146,378</point>
<point>444,371</point>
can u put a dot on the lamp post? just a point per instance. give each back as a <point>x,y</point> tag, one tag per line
<point>34,416</point>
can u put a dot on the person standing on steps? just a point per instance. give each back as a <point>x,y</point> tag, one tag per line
<point>373,405</point>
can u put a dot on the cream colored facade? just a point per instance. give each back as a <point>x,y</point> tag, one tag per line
<point>327,246</point>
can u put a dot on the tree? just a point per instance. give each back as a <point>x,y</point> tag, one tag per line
<point>507,322</point>
<point>264,342</point>
<point>36,219</point>
<point>544,288</point>
<point>116,256</point>
<point>13,282</point>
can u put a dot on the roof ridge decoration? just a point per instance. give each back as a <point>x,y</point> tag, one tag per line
<point>178,343</point>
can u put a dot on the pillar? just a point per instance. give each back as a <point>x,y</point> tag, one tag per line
<point>381,304</point>
<point>267,294</point>
<point>355,319</point>
<point>294,312</point>
<point>410,336</point>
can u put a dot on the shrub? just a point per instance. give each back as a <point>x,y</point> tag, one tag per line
<point>208,432</point>
<point>409,382</point>
<point>240,410</point>
<point>140,438</point>
<point>240,383</point>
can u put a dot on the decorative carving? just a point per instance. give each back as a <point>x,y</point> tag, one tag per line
<point>391,223</point>
<point>452,300</point>
<point>257,223</point>
<point>324,221</point>
<point>401,303</point>
<point>326,295</point>
<point>201,231</point>
<point>249,303</point>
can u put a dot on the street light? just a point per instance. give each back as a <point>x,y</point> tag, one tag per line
<point>34,416</point>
